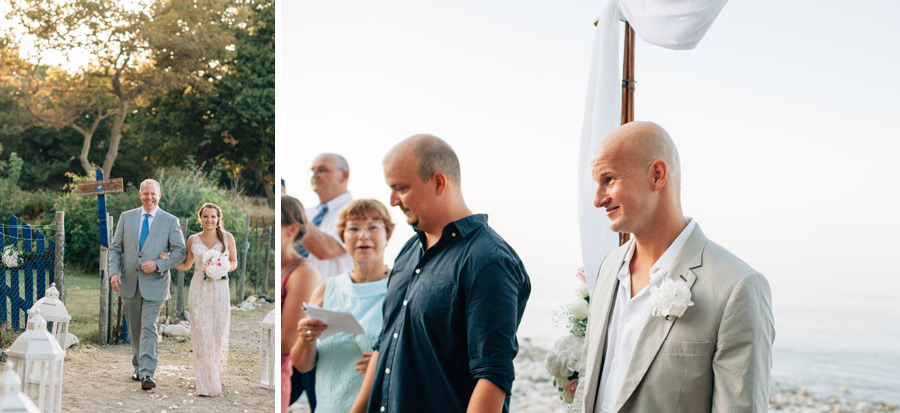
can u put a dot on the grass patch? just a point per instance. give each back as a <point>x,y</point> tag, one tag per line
<point>83,303</point>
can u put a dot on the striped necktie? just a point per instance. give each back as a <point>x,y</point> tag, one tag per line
<point>317,221</point>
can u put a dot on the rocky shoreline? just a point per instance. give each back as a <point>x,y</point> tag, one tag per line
<point>533,392</point>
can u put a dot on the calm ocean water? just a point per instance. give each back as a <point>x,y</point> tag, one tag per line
<point>851,349</point>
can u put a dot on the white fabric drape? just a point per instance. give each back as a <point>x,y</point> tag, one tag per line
<point>674,24</point>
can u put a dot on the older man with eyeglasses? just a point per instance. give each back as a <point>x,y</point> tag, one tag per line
<point>321,245</point>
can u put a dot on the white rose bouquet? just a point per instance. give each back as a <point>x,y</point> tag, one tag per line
<point>12,256</point>
<point>215,265</point>
<point>564,361</point>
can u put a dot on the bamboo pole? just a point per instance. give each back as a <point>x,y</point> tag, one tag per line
<point>627,92</point>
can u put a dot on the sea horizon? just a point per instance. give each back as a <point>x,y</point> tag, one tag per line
<point>845,351</point>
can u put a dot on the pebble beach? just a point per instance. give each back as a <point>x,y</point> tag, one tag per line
<point>533,392</point>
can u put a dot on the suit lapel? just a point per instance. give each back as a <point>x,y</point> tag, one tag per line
<point>657,328</point>
<point>133,220</point>
<point>602,299</point>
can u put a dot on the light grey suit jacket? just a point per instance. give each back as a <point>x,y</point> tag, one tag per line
<point>716,357</point>
<point>125,255</point>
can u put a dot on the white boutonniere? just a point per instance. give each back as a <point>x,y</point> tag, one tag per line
<point>671,298</point>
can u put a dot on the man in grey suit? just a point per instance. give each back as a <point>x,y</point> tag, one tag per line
<point>677,323</point>
<point>140,277</point>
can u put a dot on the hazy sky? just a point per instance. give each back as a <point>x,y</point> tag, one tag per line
<point>783,116</point>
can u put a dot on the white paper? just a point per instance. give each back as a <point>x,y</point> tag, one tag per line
<point>336,321</point>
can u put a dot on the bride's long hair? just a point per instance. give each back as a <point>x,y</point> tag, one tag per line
<point>220,226</point>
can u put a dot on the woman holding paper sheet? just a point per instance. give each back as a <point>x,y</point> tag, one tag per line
<point>365,226</point>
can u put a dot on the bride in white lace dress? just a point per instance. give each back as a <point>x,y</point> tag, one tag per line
<point>209,299</point>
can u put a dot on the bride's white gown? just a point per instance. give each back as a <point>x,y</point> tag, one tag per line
<point>210,324</point>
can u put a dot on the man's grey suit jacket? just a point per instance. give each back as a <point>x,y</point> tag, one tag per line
<point>125,255</point>
<point>716,357</point>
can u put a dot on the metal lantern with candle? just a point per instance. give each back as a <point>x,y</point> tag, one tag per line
<point>54,312</point>
<point>11,397</point>
<point>267,352</point>
<point>38,359</point>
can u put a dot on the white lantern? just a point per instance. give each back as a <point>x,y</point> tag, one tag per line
<point>267,352</point>
<point>11,397</point>
<point>54,311</point>
<point>38,359</point>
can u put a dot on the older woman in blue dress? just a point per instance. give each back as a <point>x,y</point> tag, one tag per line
<point>341,359</point>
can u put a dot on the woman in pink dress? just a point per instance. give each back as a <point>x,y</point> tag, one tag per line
<point>209,299</point>
<point>298,280</point>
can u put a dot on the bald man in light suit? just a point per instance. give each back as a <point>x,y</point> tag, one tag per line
<point>717,355</point>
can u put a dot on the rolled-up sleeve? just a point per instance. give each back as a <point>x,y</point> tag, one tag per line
<point>492,319</point>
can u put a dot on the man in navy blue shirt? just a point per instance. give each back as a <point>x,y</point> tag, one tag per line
<point>454,299</point>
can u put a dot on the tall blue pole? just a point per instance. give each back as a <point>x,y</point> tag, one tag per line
<point>101,204</point>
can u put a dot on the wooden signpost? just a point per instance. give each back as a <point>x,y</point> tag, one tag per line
<point>100,188</point>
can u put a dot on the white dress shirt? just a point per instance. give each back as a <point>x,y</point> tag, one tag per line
<point>628,319</point>
<point>149,221</point>
<point>341,263</point>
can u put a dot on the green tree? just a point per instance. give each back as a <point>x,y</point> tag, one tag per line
<point>135,48</point>
<point>9,182</point>
<point>244,104</point>
<point>232,125</point>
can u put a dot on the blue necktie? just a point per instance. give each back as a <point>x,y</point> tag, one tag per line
<point>145,229</point>
<point>317,220</point>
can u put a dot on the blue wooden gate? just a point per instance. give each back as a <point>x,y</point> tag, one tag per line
<point>25,284</point>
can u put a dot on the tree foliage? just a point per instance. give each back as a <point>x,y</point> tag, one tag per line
<point>133,49</point>
<point>231,126</point>
<point>219,110</point>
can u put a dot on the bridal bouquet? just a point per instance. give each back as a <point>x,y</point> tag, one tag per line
<point>565,360</point>
<point>215,265</point>
<point>12,256</point>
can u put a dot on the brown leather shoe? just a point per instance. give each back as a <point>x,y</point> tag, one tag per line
<point>147,383</point>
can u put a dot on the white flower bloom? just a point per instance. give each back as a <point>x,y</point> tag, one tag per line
<point>11,256</point>
<point>671,298</point>
<point>582,291</point>
<point>579,309</point>
<point>215,265</point>
<point>565,358</point>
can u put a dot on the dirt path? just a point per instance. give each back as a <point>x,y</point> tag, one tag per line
<point>99,378</point>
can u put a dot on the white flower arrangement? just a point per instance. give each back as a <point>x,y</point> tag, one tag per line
<point>12,256</point>
<point>670,299</point>
<point>215,265</point>
<point>565,360</point>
